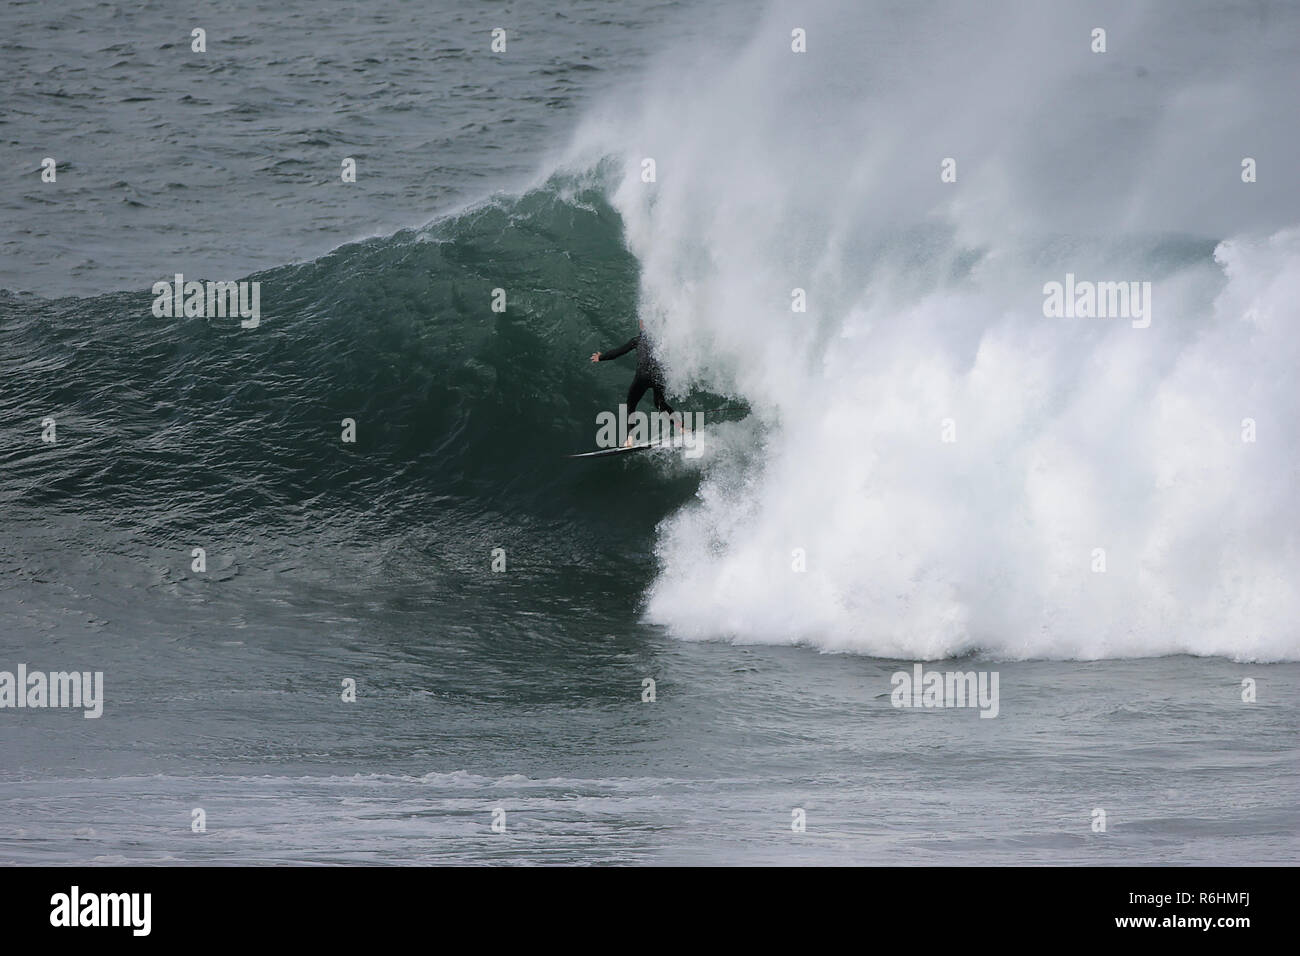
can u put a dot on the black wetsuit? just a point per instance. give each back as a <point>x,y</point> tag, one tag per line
<point>648,373</point>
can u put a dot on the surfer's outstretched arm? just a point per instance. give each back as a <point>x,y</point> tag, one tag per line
<point>621,350</point>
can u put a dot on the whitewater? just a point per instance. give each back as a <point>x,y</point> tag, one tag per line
<point>953,470</point>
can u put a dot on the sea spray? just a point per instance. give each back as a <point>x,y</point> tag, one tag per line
<point>948,469</point>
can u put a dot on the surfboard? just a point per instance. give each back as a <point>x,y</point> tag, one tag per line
<point>673,442</point>
<point>646,446</point>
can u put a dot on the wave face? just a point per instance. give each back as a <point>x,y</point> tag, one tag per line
<point>177,424</point>
<point>1080,443</point>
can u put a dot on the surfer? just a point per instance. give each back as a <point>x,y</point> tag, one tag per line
<point>649,374</point>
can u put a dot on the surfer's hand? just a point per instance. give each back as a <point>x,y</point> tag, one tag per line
<point>595,356</point>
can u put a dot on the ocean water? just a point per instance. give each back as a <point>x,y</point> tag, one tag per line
<point>930,471</point>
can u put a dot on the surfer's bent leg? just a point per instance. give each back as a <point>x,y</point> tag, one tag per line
<point>661,400</point>
<point>639,385</point>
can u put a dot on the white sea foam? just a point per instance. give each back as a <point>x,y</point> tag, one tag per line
<point>821,171</point>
